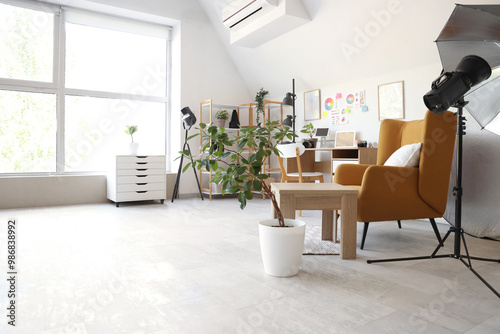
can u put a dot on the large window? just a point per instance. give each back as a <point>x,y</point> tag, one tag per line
<point>70,81</point>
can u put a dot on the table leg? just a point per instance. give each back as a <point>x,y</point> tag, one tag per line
<point>327,225</point>
<point>348,227</point>
<point>287,206</point>
<point>336,227</point>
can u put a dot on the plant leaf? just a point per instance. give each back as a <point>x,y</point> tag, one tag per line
<point>248,194</point>
<point>242,200</point>
<point>186,167</point>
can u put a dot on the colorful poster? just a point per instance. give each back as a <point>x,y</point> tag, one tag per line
<point>359,99</point>
<point>343,105</point>
<point>330,104</point>
<point>350,99</point>
<point>340,118</point>
<point>362,98</point>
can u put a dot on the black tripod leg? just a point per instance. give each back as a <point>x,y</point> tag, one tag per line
<point>195,174</point>
<point>468,264</point>
<point>418,257</point>
<point>484,259</point>
<point>177,180</point>
<point>441,244</point>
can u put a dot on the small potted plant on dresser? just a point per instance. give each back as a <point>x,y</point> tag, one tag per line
<point>240,172</point>
<point>132,147</point>
<point>221,116</point>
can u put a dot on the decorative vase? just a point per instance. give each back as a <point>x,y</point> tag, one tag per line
<point>282,247</point>
<point>133,148</point>
<point>235,122</point>
<point>220,123</point>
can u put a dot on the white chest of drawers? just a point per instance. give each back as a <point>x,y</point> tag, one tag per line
<point>137,178</point>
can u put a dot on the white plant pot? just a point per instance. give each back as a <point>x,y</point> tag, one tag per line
<point>133,148</point>
<point>282,247</point>
<point>220,123</point>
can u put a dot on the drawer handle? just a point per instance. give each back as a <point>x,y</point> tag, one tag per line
<point>141,169</point>
<point>140,175</point>
<point>142,156</point>
<point>141,163</point>
<point>141,184</point>
<point>141,191</point>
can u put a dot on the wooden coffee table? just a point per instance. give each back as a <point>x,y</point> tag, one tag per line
<point>327,197</point>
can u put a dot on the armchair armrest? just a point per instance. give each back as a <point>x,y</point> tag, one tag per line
<point>349,174</point>
<point>390,180</point>
<point>391,193</point>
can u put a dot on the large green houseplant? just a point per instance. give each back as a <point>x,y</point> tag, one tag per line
<point>237,162</point>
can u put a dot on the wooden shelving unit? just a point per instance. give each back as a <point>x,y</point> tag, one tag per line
<point>247,116</point>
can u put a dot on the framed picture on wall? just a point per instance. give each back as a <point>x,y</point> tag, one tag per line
<point>391,100</point>
<point>312,105</point>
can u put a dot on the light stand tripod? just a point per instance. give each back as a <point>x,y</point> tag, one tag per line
<point>178,179</point>
<point>457,229</point>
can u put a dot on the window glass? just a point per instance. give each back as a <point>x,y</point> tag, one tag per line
<point>115,61</point>
<point>95,130</point>
<point>27,132</point>
<point>26,44</point>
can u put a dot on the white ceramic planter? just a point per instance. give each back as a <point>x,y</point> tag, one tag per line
<point>133,148</point>
<point>282,247</point>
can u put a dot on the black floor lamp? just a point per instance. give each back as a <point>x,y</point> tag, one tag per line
<point>188,120</point>
<point>289,100</point>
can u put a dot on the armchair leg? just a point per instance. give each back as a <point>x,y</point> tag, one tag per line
<point>365,230</point>
<point>399,223</point>
<point>436,231</point>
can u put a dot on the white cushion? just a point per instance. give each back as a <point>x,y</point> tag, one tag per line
<point>405,156</point>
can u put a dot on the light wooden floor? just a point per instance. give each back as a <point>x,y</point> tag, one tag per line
<point>195,267</point>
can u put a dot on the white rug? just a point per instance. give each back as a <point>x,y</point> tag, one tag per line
<point>313,245</point>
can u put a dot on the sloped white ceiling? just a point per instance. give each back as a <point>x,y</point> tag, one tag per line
<point>345,41</point>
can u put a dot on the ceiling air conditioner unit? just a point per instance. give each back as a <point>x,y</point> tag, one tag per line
<point>239,12</point>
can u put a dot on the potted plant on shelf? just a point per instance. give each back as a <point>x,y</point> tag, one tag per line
<point>237,164</point>
<point>132,147</point>
<point>309,130</point>
<point>221,117</point>
<point>259,99</point>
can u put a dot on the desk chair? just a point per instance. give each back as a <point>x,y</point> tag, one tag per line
<point>295,150</point>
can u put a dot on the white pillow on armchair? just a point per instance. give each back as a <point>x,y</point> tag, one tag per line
<point>405,156</point>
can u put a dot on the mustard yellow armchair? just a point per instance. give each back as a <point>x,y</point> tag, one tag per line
<point>398,193</point>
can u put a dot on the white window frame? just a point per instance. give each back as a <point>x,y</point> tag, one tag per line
<point>57,86</point>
